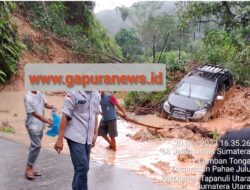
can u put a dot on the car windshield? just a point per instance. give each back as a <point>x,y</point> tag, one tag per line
<point>195,91</point>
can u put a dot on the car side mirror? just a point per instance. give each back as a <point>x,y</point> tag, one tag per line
<point>220,97</point>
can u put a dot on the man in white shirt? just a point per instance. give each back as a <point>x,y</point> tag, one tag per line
<point>79,127</point>
<point>35,103</point>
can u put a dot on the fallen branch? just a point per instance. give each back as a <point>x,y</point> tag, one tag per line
<point>137,122</point>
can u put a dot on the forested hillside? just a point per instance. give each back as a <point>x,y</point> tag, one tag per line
<point>196,33</point>
<point>69,25</point>
<point>179,34</point>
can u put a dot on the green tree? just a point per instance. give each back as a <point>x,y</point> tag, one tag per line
<point>157,31</point>
<point>130,45</point>
<point>228,43</point>
<point>10,46</point>
<point>151,26</point>
<point>230,15</point>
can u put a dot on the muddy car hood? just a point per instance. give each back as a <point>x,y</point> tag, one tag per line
<point>187,103</point>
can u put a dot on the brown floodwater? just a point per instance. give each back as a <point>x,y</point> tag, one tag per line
<point>130,154</point>
<point>158,159</point>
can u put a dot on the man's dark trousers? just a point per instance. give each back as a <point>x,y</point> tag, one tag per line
<point>80,154</point>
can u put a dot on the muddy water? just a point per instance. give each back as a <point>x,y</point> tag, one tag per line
<point>130,154</point>
<point>157,159</point>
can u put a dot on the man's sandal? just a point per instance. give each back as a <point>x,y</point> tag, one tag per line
<point>37,174</point>
<point>29,177</point>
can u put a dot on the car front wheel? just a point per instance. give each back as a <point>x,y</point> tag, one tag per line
<point>164,114</point>
<point>207,117</point>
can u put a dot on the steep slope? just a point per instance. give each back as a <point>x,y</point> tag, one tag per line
<point>42,47</point>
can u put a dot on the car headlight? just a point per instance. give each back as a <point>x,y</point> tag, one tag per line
<point>166,107</point>
<point>199,114</point>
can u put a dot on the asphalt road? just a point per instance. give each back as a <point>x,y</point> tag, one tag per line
<point>57,172</point>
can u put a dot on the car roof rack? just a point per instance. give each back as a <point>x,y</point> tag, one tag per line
<point>210,68</point>
<point>210,71</point>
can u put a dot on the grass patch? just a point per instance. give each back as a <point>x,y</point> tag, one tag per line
<point>145,102</point>
<point>7,128</point>
<point>41,49</point>
<point>214,135</point>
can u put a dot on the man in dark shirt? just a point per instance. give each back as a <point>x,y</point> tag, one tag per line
<point>108,122</point>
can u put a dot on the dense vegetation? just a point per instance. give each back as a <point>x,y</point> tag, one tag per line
<point>226,41</point>
<point>10,46</point>
<point>130,43</point>
<point>76,22</point>
<point>203,32</point>
<point>197,33</point>
<point>157,30</point>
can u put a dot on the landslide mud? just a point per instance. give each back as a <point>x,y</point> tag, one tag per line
<point>232,113</point>
<point>237,105</point>
<point>57,51</point>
